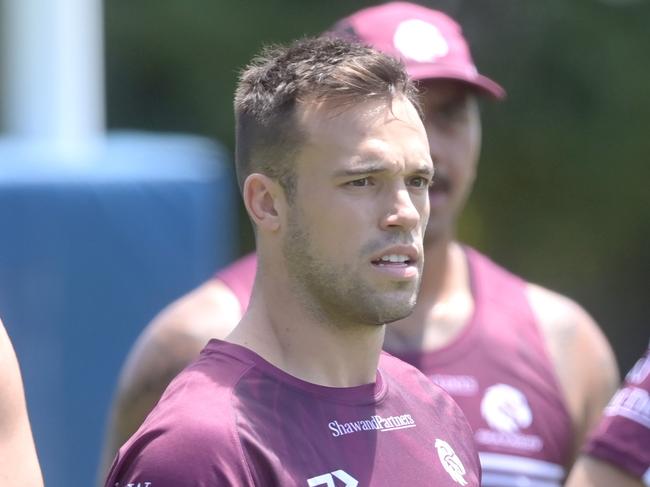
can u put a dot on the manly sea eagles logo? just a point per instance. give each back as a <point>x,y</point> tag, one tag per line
<point>450,461</point>
<point>506,408</point>
<point>507,413</point>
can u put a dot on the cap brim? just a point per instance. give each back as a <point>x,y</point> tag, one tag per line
<point>484,84</point>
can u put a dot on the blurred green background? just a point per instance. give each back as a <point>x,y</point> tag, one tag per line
<point>562,194</point>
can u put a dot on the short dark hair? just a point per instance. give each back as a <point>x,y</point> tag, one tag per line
<point>340,73</point>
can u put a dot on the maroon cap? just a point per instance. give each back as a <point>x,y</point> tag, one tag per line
<point>429,42</point>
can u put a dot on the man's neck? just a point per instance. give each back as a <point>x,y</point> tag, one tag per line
<point>285,333</point>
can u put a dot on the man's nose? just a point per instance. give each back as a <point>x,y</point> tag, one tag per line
<point>402,211</point>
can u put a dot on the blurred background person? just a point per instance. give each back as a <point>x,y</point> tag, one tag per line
<point>529,367</point>
<point>18,460</point>
<point>618,450</point>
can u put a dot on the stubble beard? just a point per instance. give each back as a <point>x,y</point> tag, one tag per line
<point>339,295</point>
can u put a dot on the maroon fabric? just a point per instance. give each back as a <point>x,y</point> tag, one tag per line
<point>499,373</point>
<point>623,435</point>
<point>498,368</point>
<point>233,419</point>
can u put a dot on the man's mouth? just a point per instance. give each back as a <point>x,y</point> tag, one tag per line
<point>399,260</point>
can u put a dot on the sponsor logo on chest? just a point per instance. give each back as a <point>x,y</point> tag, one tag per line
<point>373,423</point>
<point>506,411</point>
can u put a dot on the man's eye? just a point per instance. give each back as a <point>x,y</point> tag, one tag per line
<point>360,182</point>
<point>420,182</point>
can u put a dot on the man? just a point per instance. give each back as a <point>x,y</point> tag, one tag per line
<point>618,451</point>
<point>18,461</point>
<point>328,138</point>
<point>530,368</point>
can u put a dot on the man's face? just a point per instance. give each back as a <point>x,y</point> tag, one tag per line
<point>353,242</point>
<point>453,126</point>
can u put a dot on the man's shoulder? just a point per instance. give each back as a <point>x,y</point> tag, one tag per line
<point>203,387</point>
<point>582,359</point>
<point>582,356</point>
<point>211,377</point>
<point>191,433</point>
<point>565,322</point>
<point>210,310</point>
<point>411,382</point>
<point>239,277</point>
<point>556,309</point>
<point>551,308</point>
<point>243,268</point>
<point>180,449</point>
<point>177,335</point>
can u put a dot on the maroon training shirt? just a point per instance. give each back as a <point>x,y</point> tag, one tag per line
<point>233,419</point>
<point>497,370</point>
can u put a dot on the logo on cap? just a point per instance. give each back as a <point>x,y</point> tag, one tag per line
<point>420,41</point>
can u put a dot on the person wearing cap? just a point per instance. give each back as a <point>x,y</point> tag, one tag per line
<point>18,460</point>
<point>529,367</point>
<point>328,134</point>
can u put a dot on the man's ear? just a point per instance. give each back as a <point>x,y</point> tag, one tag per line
<point>265,201</point>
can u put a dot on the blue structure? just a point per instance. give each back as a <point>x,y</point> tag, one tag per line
<point>89,252</point>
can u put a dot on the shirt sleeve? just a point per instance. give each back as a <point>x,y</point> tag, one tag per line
<point>182,456</point>
<point>623,435</point>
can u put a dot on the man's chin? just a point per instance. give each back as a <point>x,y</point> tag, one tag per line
<point>396,309</point>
